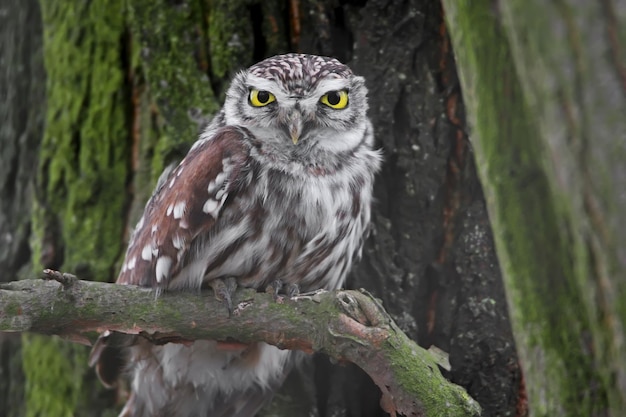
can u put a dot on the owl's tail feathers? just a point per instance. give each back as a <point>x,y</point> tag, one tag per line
<point>249,402</point>
<point>108,356</point>
<point>242,404</point>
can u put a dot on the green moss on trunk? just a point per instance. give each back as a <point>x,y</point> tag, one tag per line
<point>230,36</point>
<point>539,261</point>
<point>572,91</point>
<point>84,154</point>
<point>54,381</point>
<point>79,213</point>
<point>169,37</point>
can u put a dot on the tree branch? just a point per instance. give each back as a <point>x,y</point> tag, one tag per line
<point>346,325</point>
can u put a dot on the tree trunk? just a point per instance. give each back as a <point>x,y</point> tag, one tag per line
<point>546,89</point>
<point>130,84</point>
<point>22,94</point>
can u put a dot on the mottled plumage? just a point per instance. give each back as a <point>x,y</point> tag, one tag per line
<point>278,186</point>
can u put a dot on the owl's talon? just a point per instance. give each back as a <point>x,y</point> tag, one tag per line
<point>276,286</point>
<point>293,290</point>
<point>224,289</point>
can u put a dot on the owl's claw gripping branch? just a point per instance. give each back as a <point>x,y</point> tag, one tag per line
<point>274,288</point>
<point>290,289</point>
<point>224,289</point>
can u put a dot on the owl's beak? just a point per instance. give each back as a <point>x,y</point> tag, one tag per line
<point>295,126</point>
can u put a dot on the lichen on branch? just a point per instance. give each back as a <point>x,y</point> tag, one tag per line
<point>346,325</point>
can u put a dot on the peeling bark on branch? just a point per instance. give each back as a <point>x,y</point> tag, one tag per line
<point>346,325</point>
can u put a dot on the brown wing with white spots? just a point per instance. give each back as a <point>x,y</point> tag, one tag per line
<point>186,205</point>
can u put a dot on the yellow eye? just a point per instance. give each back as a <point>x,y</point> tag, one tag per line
<point>335,99</point>
<point>260,98</point>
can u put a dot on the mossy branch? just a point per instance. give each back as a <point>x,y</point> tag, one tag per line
<point>346,325</point>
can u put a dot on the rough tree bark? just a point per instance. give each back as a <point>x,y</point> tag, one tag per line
<point>129,84</point>
<point>22,112</point>
<point>545,85</point>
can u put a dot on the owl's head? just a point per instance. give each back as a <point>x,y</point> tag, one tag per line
<point>300,101</point>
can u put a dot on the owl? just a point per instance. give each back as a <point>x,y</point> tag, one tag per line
<point>277,188</point>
